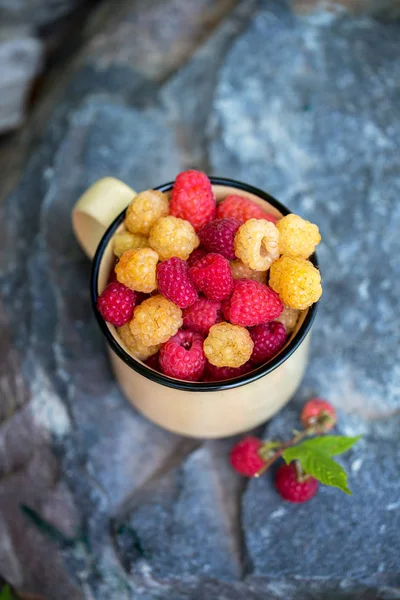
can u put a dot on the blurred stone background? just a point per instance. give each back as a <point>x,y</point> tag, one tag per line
<point>301,99</point>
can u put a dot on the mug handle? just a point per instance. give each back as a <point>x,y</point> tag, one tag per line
<point>96,209</point>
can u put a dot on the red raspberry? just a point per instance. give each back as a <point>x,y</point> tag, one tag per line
<point>174,282</point>
<point>318,412</point>
<point>220,318</point>
<point>154,361</point>
<point>268,339</point>
<point>202,315</point>
<point>212,275</point>
<point>182,356</point>
<point>218,236</point>
<point>243,209</point>
<point>192,198</point>
<point>294,487</point>
<point>252,303</point>
<point>196,255</point>
<point>116,304</point>
<point>225,307</point>
<point>245,458</point>
<point>213,373</point>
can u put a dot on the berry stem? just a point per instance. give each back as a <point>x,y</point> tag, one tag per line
<point>300,435</point>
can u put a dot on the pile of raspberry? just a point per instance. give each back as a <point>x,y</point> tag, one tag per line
<point>207,292</point>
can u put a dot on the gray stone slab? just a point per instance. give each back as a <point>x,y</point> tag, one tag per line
<point>157,36</point>
<point>308,110</point>
<point>187,96</point>
<point>327,537</point>
<point>107,449</point>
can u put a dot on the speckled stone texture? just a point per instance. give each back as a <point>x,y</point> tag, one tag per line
<point>96,502</point>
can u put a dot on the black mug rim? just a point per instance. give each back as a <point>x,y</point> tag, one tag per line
<point>197,386</point>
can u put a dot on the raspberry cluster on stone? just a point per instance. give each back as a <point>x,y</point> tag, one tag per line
<point>211,291</point>
<point>307,462</point>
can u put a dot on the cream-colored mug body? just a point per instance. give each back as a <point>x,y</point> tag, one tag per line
<point>188,409</point>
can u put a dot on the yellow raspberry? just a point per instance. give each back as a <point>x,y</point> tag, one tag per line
<point>242,271</point>
<point>137,270</point>
<point>171,236</point>
<point>128,241</point>
<point>257,244</point>
<point>145,210</point>
<point>298,237</point>
<point>228,345</point>
<point>155,320</point>
<point>134,345</point>
<point>297,282</point>
<point>288,318</point>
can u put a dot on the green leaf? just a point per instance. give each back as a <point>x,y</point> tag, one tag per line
<point>319,465</point>
<point>315,458</point>
<point>5,593</point>
<point>332,445</point>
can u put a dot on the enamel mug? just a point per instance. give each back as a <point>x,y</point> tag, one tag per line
<point>201,410</point>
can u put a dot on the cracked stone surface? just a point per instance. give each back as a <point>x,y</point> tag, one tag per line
<point>98,503</point>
